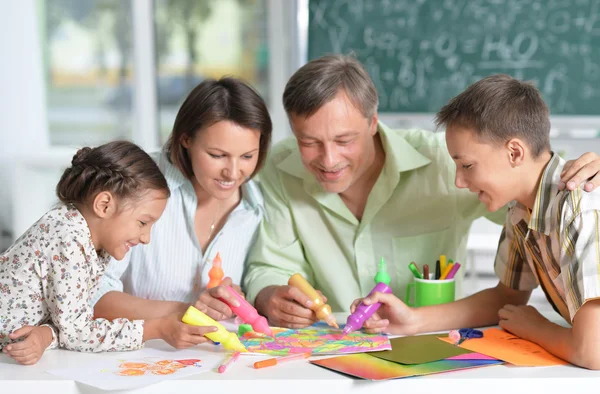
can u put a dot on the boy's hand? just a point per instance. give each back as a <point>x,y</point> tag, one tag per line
<point>521,320</point>
<point>180,335</point>
<point>209,300</point>
<point>393,317</point>
<point>587,167</point>
<point>30,350</point>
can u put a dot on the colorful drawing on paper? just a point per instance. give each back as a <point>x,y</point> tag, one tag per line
<point>140,368</point>
<point>160,367</point>
<point>315,339</point>
<point>365,366</point>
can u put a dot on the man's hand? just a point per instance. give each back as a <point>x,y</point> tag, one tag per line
<point>30,350</point>
<point>587,167</point>
<point>210,301</point>
<point>286,306</point>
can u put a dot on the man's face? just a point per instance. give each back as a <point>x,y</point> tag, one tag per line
<point>336,143</point>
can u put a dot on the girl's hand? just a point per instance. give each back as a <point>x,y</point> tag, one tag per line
<point>180,335</point>
<point>30,350</point>
<point>393,317</point>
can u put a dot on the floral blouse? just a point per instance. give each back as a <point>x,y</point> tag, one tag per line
<point>48,276</point>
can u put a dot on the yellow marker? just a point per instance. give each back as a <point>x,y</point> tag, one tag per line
<point>442,264</point>
<point>229,340</point>
<point>446,271</point>
<point>321,309</point>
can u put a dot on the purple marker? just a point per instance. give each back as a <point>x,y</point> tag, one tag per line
<point>453,270</point>
<point>363,312</point>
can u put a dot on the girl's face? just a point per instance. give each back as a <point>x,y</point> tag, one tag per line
<point>130,226</point>
<point>223,156</point>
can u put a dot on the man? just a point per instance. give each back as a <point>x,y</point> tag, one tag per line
<point>348,191</point>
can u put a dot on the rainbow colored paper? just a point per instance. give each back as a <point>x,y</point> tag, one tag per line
<point>367,367</point>
<point>315,339</point>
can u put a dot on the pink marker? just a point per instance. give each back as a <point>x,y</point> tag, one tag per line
<point>248,313</point>
<point>223,367</point>
<point>453,270</point>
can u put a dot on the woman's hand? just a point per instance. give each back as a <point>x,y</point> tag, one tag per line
<point>211,302</point>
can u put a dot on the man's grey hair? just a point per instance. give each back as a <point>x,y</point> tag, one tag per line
<point>320,80</point>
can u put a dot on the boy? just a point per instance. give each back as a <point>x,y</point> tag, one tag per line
<point>497,132</point>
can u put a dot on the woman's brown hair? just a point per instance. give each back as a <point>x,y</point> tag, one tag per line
<point>120,167</point>
<point>212,101</point>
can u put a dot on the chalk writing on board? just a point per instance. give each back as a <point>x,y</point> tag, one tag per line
<point>420,53</point>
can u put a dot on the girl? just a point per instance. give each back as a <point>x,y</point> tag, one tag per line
<point>111,196</point>
<point>219,142</point>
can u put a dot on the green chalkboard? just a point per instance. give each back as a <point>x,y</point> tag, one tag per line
<point>420,53</point>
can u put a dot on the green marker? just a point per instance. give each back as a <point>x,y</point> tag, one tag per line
<point>413,267</point>
<point>382,275</point>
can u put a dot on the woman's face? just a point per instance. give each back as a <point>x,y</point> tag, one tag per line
<point>223,156</point>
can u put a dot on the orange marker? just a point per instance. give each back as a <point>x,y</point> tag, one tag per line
<point>321,309</point>
<point>446,271</point>
<point>274,361</point>
<point>216,273</point>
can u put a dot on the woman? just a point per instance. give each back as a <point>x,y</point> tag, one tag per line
<point>219,142</point>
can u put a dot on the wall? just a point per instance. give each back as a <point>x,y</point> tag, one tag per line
<point>23,129</point>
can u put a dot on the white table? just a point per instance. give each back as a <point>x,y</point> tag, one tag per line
<point>303,378</point>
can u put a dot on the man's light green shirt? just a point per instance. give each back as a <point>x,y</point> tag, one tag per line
<point>413,213</point>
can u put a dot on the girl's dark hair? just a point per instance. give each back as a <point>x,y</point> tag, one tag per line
<point>120,167</point>
<point>212,101</point>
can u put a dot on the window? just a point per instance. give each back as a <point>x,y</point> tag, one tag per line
<point>87,48</point>
<point>203,39</point>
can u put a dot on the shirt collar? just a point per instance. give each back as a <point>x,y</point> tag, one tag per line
<point>252,195</point>
<point>541,214</point>
<point>175,178</point>
<point>400,156</point>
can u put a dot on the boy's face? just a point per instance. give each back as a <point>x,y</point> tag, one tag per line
<point>482,167</point>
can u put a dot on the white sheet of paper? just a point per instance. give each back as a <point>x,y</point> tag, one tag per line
<point>148,366</point>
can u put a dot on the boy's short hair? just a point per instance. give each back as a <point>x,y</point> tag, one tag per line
<point>498,108</point>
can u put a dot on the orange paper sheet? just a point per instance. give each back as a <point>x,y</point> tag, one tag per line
<point>505,346</point>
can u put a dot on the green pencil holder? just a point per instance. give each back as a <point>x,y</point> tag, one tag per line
<point>430,292</point>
